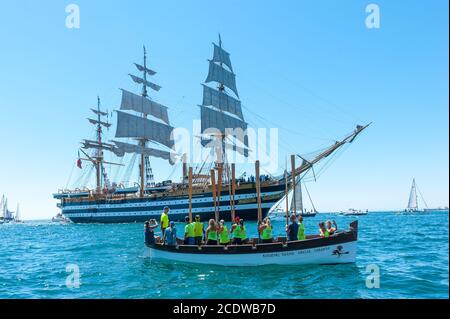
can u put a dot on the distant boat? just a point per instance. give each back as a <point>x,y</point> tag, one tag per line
<point>17,218</point>
<point>354,212</point>
<point>413,202</point>
<point>6,216</point>
<point>59,218</point>
<point>437,209</point>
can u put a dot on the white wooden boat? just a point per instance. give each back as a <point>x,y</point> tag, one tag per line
<point>336,249</point>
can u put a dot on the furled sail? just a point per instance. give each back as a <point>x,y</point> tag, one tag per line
<point>105,124</point>
<point>221,101</point>
<point>86,144</point>
<point>220,75</point>
<point>142,69</point>
<point>129,125</point>
<point>99,112</point>
<point>122,148</point>
<point>147,83</point>
<point>222,56</point>
<point>138,103</point>
<point>412,202</point>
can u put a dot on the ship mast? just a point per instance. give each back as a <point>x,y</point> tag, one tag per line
<point>143,141</point>
<point>99,157</point>
<point>221,111</point>
<point>151,124</point>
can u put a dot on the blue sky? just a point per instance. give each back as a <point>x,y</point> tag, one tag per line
<point>311,68</point>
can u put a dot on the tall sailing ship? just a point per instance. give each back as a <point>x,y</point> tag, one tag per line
<point>147,122</point>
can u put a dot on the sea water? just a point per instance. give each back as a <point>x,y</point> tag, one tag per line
<point>399,256</point>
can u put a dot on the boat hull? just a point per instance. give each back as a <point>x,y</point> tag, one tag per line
<point>143,209</point>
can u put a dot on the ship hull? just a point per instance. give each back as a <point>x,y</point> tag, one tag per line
<point>142,209</point>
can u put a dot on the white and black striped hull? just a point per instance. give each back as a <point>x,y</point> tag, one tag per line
<point>140,210</point>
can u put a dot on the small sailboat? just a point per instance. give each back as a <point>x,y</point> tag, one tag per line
<point>413,202</point>
<point>293,201</point>
<point>17,217</point>
<point>6,216</point>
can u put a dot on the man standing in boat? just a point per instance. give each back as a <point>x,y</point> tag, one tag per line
<point>292,228</point>
<point>198,230</point>
<point>164,220</point>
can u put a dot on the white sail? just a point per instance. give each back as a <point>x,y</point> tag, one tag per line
<point>138,103</point>
<point>129,125</point>
<point>221,56</point>
<point>225,124</point>
<point>219,74</point>
<point>151,85</point>
<point>221,101</point>
<point>142,69</point>
<point>298,197</point>
<point>123,148</point>
<point>412,202</point>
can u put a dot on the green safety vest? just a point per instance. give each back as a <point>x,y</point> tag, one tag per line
<point>301,232</point>
<point>267,233</point>
<point>198,229</point>
<point>164,220</point>
<point>326,234</point>
<point>212,234</point>
<point>240,232</point>
<point>223,236</point>
<point>189,230</point>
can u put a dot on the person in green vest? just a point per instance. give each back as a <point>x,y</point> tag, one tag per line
<point>164,220</point>
<point>211,233</point>
<point>189,235</point>
<point>239,232</point>
<point>198,230</point>
<point>329,225</point>
<point>224,238</point>
<point>323,230</point>
<point>265,230</point>
<point>301,229</point>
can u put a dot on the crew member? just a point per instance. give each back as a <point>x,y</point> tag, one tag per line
<point>292,228</point>
<point>211,233</point>
<point>301,229</point>
<point>198,230</point>
<point>164,220</point>
<point>189,235</point>
<point>224,238</point>
<point>266,231</point>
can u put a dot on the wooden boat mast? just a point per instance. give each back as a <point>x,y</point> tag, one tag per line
<point>258,191</point>
<point>293,183</point>
<point>213,189</point>
<point>190,193</point>
<point>233,190</point>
